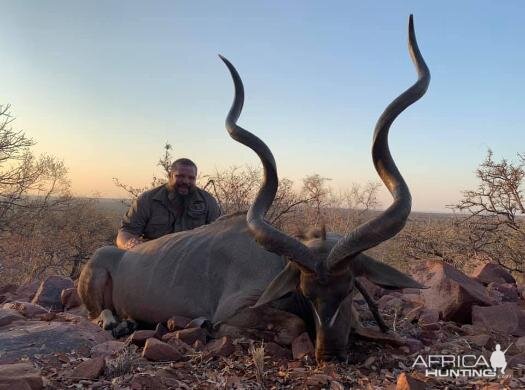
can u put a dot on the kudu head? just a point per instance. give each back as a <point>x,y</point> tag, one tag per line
<point>324,269</point>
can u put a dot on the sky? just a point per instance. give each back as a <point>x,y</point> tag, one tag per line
<point>103,85</point>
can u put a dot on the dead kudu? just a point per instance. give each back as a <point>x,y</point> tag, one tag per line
<point>219,271</point>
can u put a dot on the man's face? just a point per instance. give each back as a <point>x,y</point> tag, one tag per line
<point>182,178</point>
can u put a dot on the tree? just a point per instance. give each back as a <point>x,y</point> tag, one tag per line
<point>488,224</point>
<point>496,211</point>
<point>43,229</point>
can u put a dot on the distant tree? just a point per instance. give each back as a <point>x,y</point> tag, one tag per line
<point>496,212</point>
<point>43,229</point>
<point>488,224</point>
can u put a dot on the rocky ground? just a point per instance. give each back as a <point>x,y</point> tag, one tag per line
<point>46,341</point>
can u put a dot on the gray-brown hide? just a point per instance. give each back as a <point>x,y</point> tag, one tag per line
<point>218,270</point>
<point>211,272</point>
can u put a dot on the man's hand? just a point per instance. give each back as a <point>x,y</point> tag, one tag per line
<point>133,241</point>
<point>127,240</point>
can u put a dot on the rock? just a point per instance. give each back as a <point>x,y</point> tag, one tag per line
<point>157,350</point>
<point>7,292</point>
<point>413,345</point>
<point>516,359</point>
<point>89,369</point>
<point>8,316</point>
<point>189,336</point>
<point>520,344</point>
<point>28,310</point>
<point>450,292</point>
<point>20,376</point>
<point>302,346</point>
<point>507,292</point>
<point>30,338</point>
<point>490,272</point>
<point>69,298</point>
<point>49,292</point>
<point>80,311</point>
<point>220,347</point>
<point>26,292</point>
<point>505,318</point>
<point>139,337</point>
<point>146,382</point>
<point>160,330</point>
<point>471,329</point>
<point>108,348</point>
<point>276,351</point>
<point>181,346</point>
<point>479,340</point>
<point>408,382</point>
<point>177,323</point>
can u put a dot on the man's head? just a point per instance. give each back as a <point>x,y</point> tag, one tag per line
<point>182,176</point>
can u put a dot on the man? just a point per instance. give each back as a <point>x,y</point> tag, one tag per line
<point>176,206</point>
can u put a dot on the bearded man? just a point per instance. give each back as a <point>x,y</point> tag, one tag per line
<point>176,206</point>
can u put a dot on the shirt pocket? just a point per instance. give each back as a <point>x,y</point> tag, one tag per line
<point>196,214</point>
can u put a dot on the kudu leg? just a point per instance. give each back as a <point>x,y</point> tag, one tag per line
<point>373,306</point>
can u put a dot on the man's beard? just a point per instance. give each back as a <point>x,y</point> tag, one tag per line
<point>189,188</point>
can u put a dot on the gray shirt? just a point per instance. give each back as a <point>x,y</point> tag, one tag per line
<point>159,211</point>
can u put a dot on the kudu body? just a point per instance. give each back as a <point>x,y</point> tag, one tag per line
<point>219,270</point>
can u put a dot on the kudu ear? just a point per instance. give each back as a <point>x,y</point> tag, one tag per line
<point>380,273</point>
<point>282,284</point>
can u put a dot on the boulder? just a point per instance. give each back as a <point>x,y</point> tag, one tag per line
<point>89,369</point>
<point>49,292</point>
<point>506,318</point>
<point>108,348</point>
<point>139,337</point>
<point>70,298</point>
<point>302,346</point>
<point>7,316</point>
<point>26,292</point>
<point>20,376</point>
<point>520,344</point>
<point>490,272</point>
<point>177,323</point>
<point>450,291</point>
<point>190,335</point>
<point>28,310</point>
<point>160,330</point>
<point>506,292</point>
<point>220,347</point>
<point>180,345</point>
<point>30,338</point>
<point>157,350</point>
<point>7,292</point>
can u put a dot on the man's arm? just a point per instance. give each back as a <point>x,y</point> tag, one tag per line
<point>214,211</point>
<point>133,225</point>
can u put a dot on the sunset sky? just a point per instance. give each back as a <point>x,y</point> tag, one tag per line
<point>104,84</point>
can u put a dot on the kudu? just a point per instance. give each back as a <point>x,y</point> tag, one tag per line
<point>323,270</point>
<point>219,271</point>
